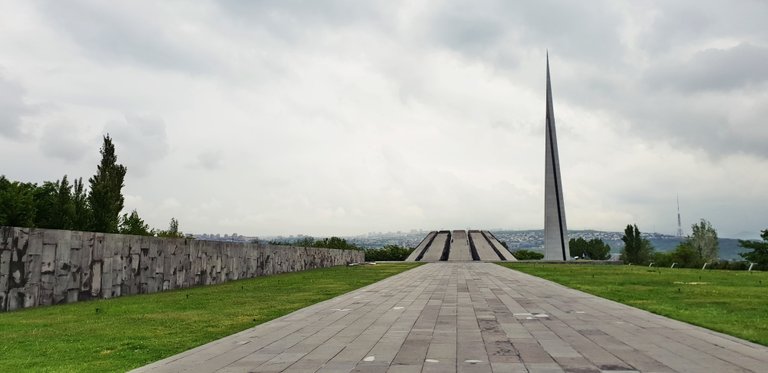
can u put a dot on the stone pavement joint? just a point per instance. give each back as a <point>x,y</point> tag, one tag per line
<point>470,317</point>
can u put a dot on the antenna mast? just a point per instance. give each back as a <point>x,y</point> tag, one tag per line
<point>679,225</point>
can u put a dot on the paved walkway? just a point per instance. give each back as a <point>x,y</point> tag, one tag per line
<point>470,317</point>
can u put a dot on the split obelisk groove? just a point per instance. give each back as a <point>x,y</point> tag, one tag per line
<point>555,230</point>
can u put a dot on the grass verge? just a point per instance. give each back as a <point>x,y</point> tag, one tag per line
<point>124,333</point>
<point>731,302</point>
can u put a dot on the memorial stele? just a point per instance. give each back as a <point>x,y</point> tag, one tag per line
<point>555,229</point>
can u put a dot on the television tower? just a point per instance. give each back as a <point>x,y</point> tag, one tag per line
<point>679,225</point>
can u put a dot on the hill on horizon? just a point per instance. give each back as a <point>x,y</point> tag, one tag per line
<point>534,240</point>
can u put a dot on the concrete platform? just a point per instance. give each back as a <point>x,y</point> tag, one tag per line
<point>470,317</point>
<point>460,246</point>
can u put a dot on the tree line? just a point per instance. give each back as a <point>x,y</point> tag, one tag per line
<point>388,252</point>
<point>62,204</point>
<point>594,249</point>
<point>327,243</point>
<point>701,247</point>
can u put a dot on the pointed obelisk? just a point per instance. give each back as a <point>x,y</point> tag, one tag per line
<point>555,231</point>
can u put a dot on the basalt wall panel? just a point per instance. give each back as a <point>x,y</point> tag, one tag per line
<point>41,267</point>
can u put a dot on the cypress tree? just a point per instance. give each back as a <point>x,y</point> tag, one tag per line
<point>106,197</point>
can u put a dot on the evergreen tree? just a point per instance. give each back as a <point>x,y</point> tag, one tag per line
<point>105,197</point>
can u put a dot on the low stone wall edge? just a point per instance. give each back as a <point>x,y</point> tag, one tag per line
<point>40,267</point>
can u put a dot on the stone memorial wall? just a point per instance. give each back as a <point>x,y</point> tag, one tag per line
<point>40,267</point>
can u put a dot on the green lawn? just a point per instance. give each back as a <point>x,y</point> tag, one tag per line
<point>128,332</point>
<point>731,302</point>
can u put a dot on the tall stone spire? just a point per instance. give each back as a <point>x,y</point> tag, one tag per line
<point>555,230</point>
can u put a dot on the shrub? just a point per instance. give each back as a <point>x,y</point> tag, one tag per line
<point>528,255</point>
<point>660,259</point>
<point>686,255</point>
<point>327,243</point>
<point>389,252</point>
<point>731,265</point>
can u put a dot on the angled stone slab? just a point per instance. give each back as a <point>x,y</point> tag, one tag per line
<point>435,249</point>
<point>505,254</point>
<point>484,249</point>
<point>420,248</point>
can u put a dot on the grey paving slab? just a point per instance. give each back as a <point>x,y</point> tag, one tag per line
<point>470,317</point>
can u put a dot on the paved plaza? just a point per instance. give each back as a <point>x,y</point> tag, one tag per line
<point>470,317</point>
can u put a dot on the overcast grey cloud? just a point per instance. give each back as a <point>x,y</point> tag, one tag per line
<point>343,117</point>
<point>120,33</point>
<point>12,108</point>
<point>65,142</point>
<point>209,160</point>
<point>690,24</point>
<point>143,140</point>
<point>494,27</point>
<point>739,67</point>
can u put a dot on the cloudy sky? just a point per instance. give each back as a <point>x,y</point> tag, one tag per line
<point>346,117</point>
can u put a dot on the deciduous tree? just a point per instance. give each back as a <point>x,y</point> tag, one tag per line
<point>46,211</point>
<point>173,230</point>
<point>704,240</point>
<point>133,224</point>
<point>637,250</point>
<point>54,206</point>
<point>82,214</point>
<point>687,255</point>
<point>17,204</point>
<point>594,249</point>
<point>759,253</point>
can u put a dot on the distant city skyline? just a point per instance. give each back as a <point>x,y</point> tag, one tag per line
<point>340,118</point>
